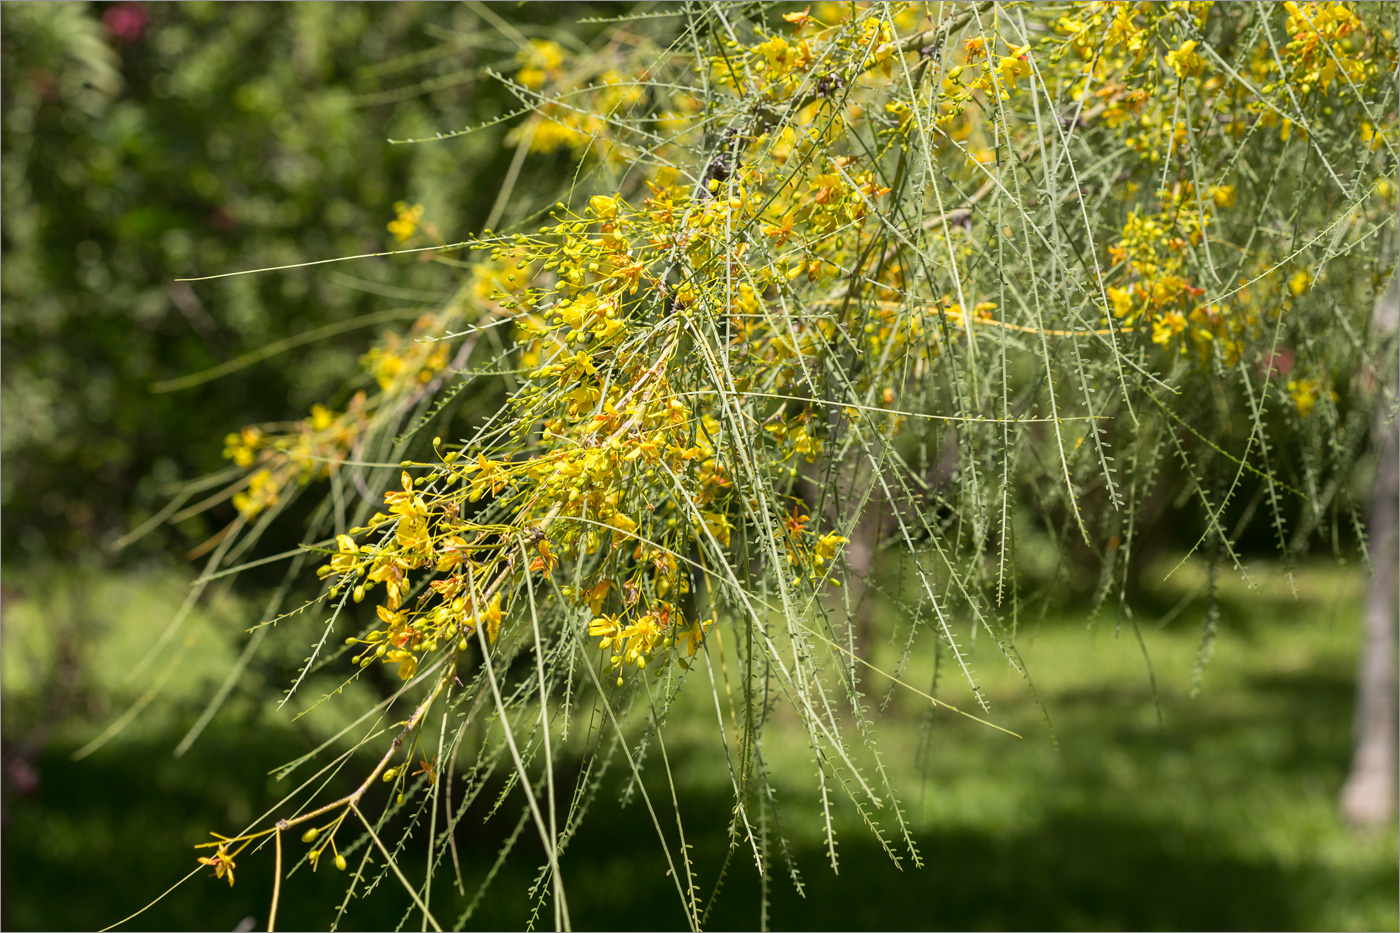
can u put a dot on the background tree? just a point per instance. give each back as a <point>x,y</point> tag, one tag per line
<point>1368,797</point>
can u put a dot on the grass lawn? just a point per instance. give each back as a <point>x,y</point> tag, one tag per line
<point>1217,811</point>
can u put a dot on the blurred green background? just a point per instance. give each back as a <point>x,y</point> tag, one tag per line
<point>147,142</point>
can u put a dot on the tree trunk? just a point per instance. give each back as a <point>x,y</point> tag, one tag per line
<point>879,519</point>
<point>1368,797</point>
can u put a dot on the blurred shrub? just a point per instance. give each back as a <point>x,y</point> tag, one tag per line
<point>147,142</point>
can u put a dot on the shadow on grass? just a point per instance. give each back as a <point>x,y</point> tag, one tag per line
<point>1126,825</point>
<point>95,842</point>
<point>1068,872</point>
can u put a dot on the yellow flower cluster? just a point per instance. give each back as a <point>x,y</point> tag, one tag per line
<point>540,61</point>
<point>405,224</point>
<point>1327,41</point>
<point>1305,394</point>
<point>576,121</point>
<point>637,638</point>
<point>622,469</point>
<point>423,532</point>
<point>1154,255</point>
<point>625,472</point>
<point>312,449</point>
<point>405,362</point>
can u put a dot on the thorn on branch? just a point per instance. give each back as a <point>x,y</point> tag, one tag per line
<point>722,165</point>
<point>829,84</point>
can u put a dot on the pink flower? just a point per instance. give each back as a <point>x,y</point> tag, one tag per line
<point>126,21</point>
<point>1278,364</point>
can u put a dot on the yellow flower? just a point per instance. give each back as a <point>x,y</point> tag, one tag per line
<point>406,223</point>
<point>804,443</point>
<point>596,594</point>
<point>347,560</point>
<point>221,862</point>
<point>1185,61</point>
<point>718,524</point>
<point>540,61</point>
<point>241,447</point>
<point>1166,327</point>
<point>604,209</point>
<point>641,637</point>
<point>826,548</point>
<point>552,135</point>
<point>407,503</point>
<point>490,618</point>
<point>408,664</point>
<point>321,417</point>
<point>1371,136</point>
<point>1014,66</point>
<point>799,19</point>
<point>1304,395</point>
<point>491,475</point>
<point>1122,301</point>
<point>622,523</point>
<point>775,53</point>
<point>694,635</point>
<point>1300,282</point>
<point>262,492</point>
<point>605,627</point>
